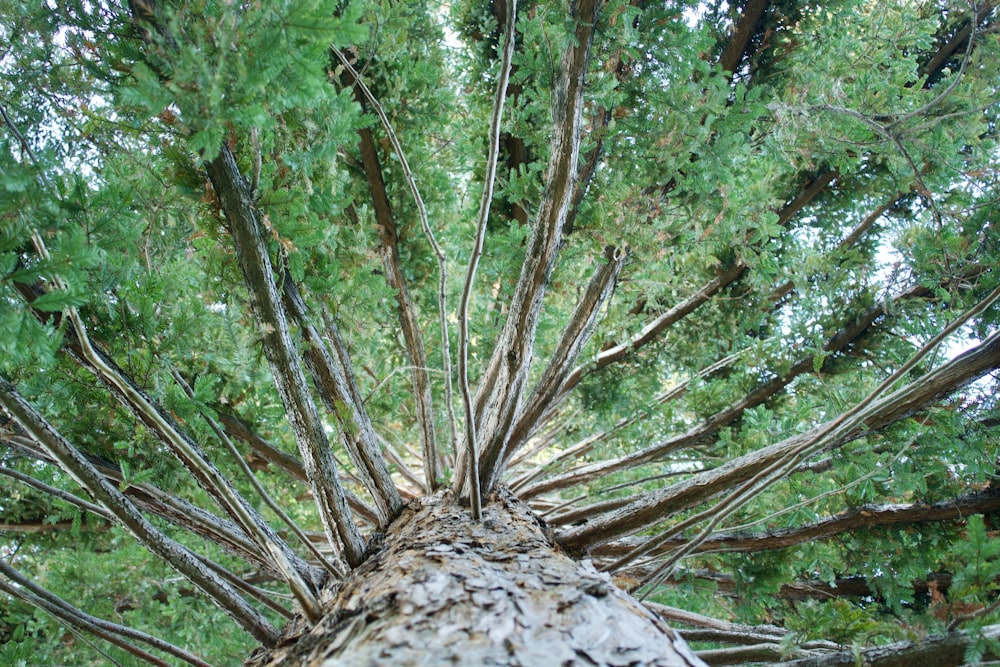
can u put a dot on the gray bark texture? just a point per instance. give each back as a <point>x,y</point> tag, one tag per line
<point>446,590</point>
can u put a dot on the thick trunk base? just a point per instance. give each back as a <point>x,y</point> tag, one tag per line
<point>445,590</point>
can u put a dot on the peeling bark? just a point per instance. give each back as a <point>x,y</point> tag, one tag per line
<point>447,590</point>
<point>334,378</point>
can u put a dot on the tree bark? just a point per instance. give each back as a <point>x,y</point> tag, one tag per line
<point>447,590</point>
<point>939,651</point>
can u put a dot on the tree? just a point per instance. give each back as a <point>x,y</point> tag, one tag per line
<point>382,333</point>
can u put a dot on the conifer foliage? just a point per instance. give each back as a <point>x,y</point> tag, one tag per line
<point>600,331</point>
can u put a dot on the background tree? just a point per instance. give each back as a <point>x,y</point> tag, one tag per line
<point>402,327</point>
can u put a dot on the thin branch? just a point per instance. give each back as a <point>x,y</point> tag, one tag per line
<point>262,492</point>
<point>823,438</point>
<point>649,508</point>
<point>939,650</point>
<point>65,496</point>
<point>80,619</point>
<point>269,543</point>
<point>470,443</point>
<point>428,232</point>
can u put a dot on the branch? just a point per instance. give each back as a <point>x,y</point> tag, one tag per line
<point>752,653</point>
<point>855,586</point>
<point>744,29</point>
<point>574,337</point>
<point>823,439</point>
<point>289,379</point>
<point>938,651</point>
<point>406,309</point>
<point>947,50</point>
<point>650,508</point>
<point>38,596</point>
<point>859,518</point>
<point>470,474</point>
<point>501,386</point>
<point>333,376</point>
<point>176,555</point>
<point>64,496</point>
<point>712,424</point>
<point>429,234</point>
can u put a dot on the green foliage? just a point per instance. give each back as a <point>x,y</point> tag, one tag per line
<point>699,172</point>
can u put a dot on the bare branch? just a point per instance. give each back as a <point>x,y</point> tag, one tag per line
<point>858,518</point>
<point>574,337</point>
<point>429,233</point>
<point>501,386</point>
<point>332,373</point>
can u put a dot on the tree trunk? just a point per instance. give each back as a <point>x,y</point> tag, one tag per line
<point>446,590</point>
